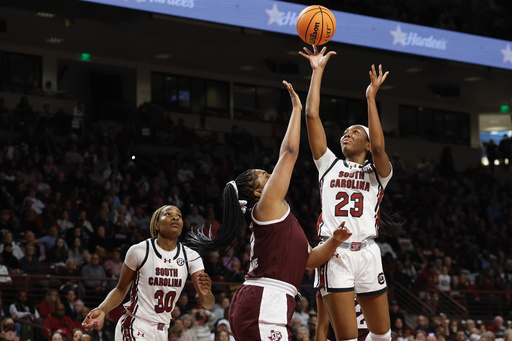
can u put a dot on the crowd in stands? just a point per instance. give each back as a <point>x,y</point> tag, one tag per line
<point>72,203</point>
<point>481,17</point>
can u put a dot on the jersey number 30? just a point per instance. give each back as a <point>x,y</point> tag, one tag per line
<point>164,303</point>
<point>355,202</point>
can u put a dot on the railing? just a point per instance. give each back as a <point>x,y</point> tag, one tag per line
<point>408,302</point>
<point>37,285</point>
<point>485,304</point>
<point>449,306</point>
<point>37,328</point>
<point>460,305</point>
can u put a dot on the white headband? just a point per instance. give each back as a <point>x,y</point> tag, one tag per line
<point>366,130</point>
<point>243,203</point>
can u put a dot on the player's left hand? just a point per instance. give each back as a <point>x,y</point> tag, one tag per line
<point>204,282</point>
<point>376,80</point>
<point>342,233</point>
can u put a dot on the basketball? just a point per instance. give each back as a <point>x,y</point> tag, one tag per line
<point>316,25</point>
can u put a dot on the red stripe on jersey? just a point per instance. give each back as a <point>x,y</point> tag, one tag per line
<point>318,222</point>
<point>134,295</point>
<point>321,274</point>
<point>126,328</point>
<point>377,219</point>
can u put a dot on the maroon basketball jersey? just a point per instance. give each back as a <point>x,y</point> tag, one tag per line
<point>279,250</point>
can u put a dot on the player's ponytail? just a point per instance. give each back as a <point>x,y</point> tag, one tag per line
<point>391,224</point>
<point>237,195</point>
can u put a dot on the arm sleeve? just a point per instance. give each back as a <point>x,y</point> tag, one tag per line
<point>211,318</point>
<point>16,251</point>
<point>135,255</point>
<point>4,271</point>
<point>18,314</point>
<point>195,263</point>
<point>384,181</point>
<point>323,163</point>
<point>47,324</point>
<point>43,308</point>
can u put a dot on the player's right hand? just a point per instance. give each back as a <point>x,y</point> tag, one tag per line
<point>94,320</point>
<point>342,233</point>
<point>317,59</point>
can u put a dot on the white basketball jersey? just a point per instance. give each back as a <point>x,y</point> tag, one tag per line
<point>159,279</point>
<point>351,193</point>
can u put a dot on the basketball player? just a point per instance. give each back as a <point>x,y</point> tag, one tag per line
<point>262,307</point>
<point>351,191</point>
<point>324,330</point>
<point>156,270</point>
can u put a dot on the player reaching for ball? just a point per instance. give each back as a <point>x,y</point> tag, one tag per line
<point>156,270</point>
<point>351,191</point>
<point>262,307</point>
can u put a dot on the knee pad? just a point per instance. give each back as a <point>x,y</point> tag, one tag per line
<point>379,337</point>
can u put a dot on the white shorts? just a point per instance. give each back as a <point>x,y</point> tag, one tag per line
<point>130,328</point>
<point>360,271</point>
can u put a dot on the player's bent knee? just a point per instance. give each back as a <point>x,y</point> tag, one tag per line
<point>379,337</point>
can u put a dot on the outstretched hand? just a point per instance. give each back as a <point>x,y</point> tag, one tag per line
<point>342,233</point>
<point>317,60</point>
<point>295,98</point>
<point>376,81</point>
<point>94,320</point>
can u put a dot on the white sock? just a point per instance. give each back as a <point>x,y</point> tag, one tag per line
<point>376,337</point>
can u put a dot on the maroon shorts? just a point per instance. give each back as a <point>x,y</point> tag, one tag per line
<point>258,313</point>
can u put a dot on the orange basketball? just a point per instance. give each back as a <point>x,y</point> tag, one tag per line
<point>316,25</point>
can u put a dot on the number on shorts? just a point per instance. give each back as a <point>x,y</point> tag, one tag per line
<point>164,303</point>
<point>360,317</point>
<point>356,211</point>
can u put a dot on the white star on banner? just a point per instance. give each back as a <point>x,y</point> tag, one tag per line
<point>507,54</point>
<point>274,15</point>
<point>398,36</point>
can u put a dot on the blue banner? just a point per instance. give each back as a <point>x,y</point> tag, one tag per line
<point>280,17</point>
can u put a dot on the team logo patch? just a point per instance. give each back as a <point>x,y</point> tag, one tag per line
<point>381,278</point>
<point>275,335</point>
<point>180,261</point>
<point>160,326</point>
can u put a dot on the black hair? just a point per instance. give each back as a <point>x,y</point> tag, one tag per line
<point>391,224</point>
<point>233,221</point>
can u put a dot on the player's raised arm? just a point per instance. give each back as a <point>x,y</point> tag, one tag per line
<point>377,143</point>
<point>272,204</point>
<point>316,132</point>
